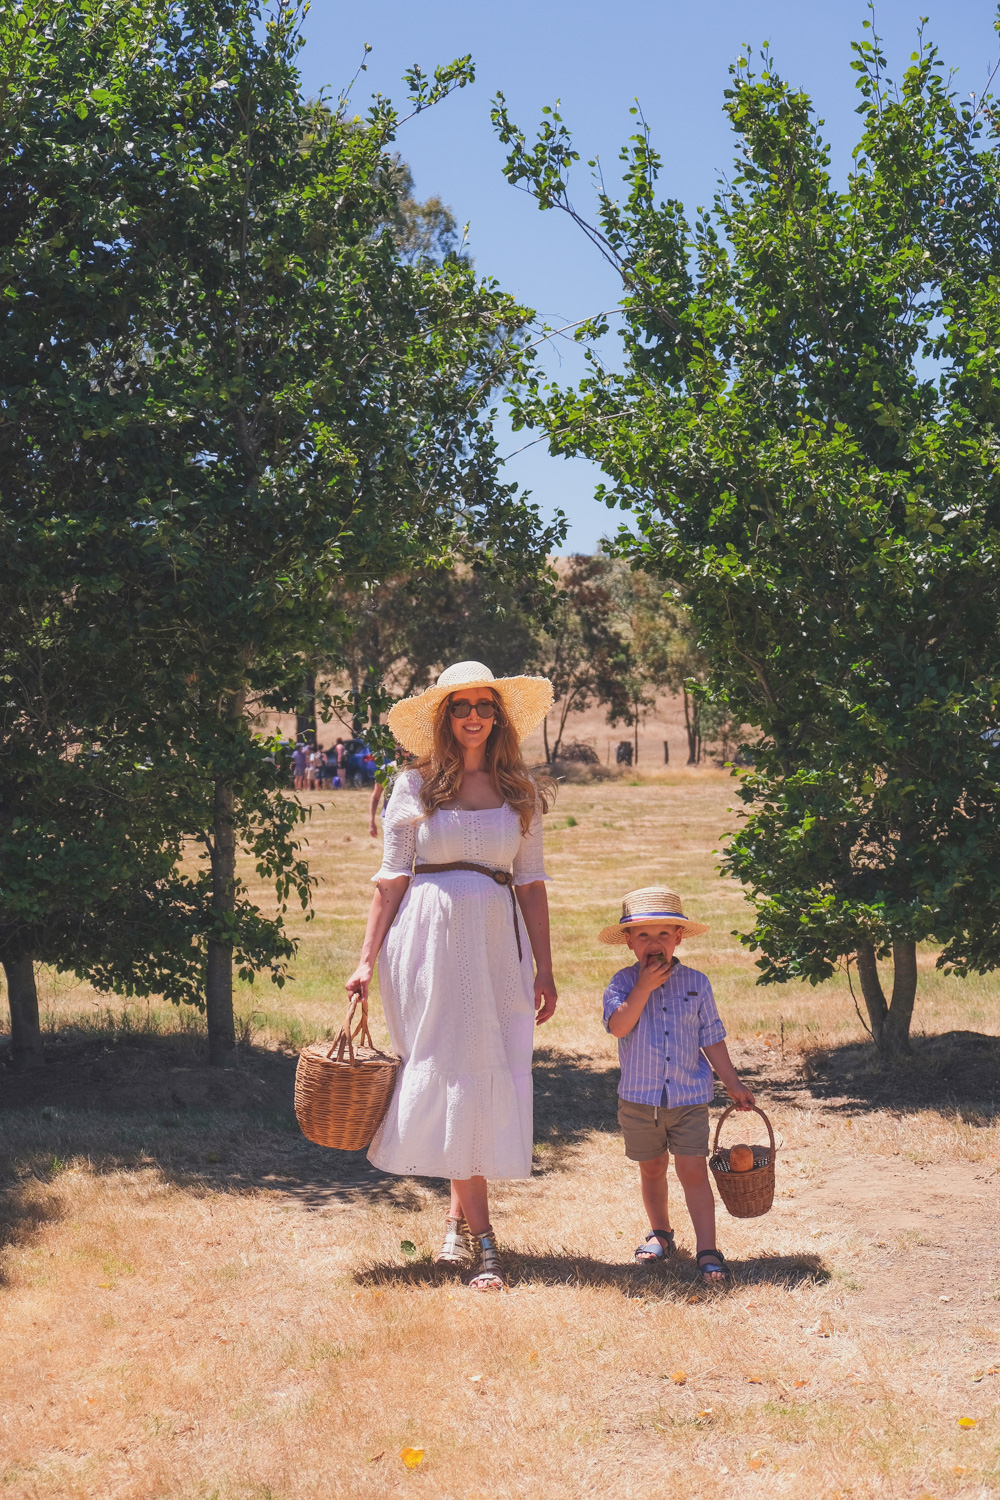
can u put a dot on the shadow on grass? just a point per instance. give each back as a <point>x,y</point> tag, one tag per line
<point>674,1283</point>
<point>150,1102</point>
<point>24,1213</point>
<point>573,1098</point>
<point>957,1072</point>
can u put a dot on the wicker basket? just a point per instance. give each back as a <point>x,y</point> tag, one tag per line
<point>341,1101</point>
<point>747,1195</point>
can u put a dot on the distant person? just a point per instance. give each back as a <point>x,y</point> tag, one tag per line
<point>670,1038</point>
<point>335,768</point>
<point>352,763</point>
<point>300,760</point>
<point>459,911</point>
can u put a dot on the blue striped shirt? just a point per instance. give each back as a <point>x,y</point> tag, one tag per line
<point>661,1058</point>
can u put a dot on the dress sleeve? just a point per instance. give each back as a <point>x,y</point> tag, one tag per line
<point>400,828</point>
<point>528,863</point>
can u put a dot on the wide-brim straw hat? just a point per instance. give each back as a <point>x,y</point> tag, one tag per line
<point>654,903</point>
<point>525,702</point>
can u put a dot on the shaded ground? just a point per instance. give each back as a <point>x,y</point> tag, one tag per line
<point>154,1101</point>
<point>869,1284</point>
<point>957,1073</point>
<point>958,1070</point>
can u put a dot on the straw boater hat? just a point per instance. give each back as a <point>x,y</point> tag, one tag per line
<point>525,700</point>
<point>654,903</point>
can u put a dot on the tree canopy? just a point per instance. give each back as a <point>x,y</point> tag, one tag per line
<point>231,392</point>
<point>805,430</point>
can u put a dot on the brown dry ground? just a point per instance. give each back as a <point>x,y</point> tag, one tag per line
<point>197,1302</point>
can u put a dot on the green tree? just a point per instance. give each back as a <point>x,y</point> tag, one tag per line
<point>805,429</point>
<point>631,698</point>
<point>579,647</point>
<point>229,391</point>
<point>401,633</point>
<point>663,653</point>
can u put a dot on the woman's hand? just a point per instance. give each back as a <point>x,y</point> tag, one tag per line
<point>545,998</point>
<point>381,915</point>
<point>359,983</point>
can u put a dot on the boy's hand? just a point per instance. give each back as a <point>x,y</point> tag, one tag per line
<point>653,971</point>
<point>741,1096</point>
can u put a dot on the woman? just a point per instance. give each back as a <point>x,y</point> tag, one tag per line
<point>456,974</point>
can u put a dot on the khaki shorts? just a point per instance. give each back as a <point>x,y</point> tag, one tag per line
<point>682,1131</point>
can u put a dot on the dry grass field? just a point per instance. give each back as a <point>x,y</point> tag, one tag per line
<point>197,1304</point>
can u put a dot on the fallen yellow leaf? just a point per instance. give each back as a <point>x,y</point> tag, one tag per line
<point>756,1461</point>
<point>966,1421</point>
<point>960,1470</point>
<point>412,1457</point>
<point>694,1297</point>
<point>533,1357</point>
<point>755,1379</point>
<point>706,1413</point>
<point>799,1384</point>
<point>679,1377</point>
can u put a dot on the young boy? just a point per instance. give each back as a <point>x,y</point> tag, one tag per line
<point>669,1032</point>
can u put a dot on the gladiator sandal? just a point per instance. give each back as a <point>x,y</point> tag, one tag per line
<point>456,1249</point>
<point>490,1276</point>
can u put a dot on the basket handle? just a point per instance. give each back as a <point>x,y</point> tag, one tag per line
<point>346,1037</point>
<point>727,1112</point>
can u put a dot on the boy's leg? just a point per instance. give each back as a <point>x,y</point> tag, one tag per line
<point>653,1180</point>
<point>692,1174</point>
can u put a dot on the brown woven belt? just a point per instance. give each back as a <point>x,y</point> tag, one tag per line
<point>502,877</point>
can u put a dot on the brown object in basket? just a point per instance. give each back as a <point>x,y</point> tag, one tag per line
<point>741,1158</point>
<point>746,1195</point>
<point>341,1101</point>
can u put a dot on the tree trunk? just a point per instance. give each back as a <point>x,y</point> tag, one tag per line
<point>545,739</point>
<point>564,715</point>
<point>691,729</point>
<point>219,969</point>
<point>637,737</point>
<point>890,1020</point>
<point>306,727</point>
<point>25,1032</point>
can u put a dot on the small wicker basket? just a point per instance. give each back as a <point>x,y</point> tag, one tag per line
<point>747,1195</point>
<point>341,1101</point>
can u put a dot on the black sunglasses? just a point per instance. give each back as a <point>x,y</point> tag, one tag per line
<point>485,708</point>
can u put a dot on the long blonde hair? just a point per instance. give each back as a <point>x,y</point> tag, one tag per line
<point>444,768</point>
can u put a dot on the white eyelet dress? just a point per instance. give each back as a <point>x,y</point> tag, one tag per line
<point>458,1004</point>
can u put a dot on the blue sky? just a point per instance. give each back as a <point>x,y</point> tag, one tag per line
<point>597,58</point>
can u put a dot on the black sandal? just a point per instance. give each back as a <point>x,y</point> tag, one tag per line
<point>648,1254</point>
<point>720,1264</point>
